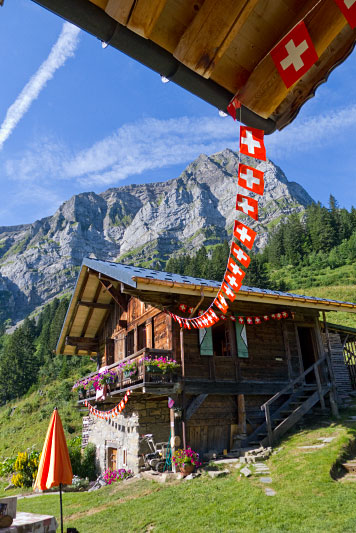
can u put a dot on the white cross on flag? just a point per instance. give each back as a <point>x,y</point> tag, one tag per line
<point>251,142</point>
<point>294,54</point>
<point>240,255</point>
<point>249,320</point>
<point>251,179</point>
<point>247,205</point>
<point>233,281</point>
<point>214,315</point>
<point>228,292</point>
<point>244,234</point>
<point>182,307</point>
<point>348,9</point>
<point>220,306</point>
<point>257,320</point>
<point>236,270</point>
<point>241,320</point>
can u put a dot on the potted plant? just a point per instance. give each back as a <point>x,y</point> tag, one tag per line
<point>161,365</point>
<point>129,369</point>
<point>106,377</point>
<point>186,460</point>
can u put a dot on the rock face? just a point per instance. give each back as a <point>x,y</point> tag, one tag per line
<point>142,224</point>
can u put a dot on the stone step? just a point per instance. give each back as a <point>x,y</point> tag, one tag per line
<point>350,466</point>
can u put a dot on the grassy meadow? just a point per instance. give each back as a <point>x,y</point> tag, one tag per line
<point>307,498</point>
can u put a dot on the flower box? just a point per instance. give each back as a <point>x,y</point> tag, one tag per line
<point>153,369</point>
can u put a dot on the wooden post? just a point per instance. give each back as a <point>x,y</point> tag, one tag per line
<point>269,425</point>
<point>173,434</point>
<point>183,395</point>
<point>299,350</point>
<point>318,384</point>
<point>287,350</point>
<point>241,413</point>
<point>149,339</point>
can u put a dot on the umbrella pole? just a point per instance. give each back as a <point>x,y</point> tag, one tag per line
<point>60,500</point>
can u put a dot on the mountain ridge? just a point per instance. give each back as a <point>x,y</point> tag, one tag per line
<point>141,223</point>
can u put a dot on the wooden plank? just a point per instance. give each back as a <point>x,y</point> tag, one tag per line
<point>139,16</point>
<point>194,405</point>
<point>231,387</point>
<point>287,349</point>
<point>265,90</point>
<point>95,305</point>
<point>211,33</point>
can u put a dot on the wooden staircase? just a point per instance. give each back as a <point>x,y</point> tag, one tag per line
<point>298,398</point>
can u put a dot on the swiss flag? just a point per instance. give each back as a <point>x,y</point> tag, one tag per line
<point>241,320</point>
<point>240,255</point>
<point>348,9</point>
<point>251,179</point>
<point>236,270</point>
<point>221,306</point>
<point>233,106</point>
<point>247,205</point>
<point>257,320</point>
<point>214,315</point>
<point>190,310</point>
<point>233,318</point>
<point>249,320</point>
<point>278,316</point>
<point>273,316</point>
<point>294,54</point>
<point>182,307</point>
<point>284,314</point>
<point>229,292</point>
<point>266,318</point>
<point>251,142</point>
<point>233,281</point>
<point>244,234</point>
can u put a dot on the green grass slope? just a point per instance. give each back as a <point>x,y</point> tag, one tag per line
<point>307,498</point>
<point>24,422</point>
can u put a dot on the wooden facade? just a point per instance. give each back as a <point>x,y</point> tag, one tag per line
<point>230,378</point>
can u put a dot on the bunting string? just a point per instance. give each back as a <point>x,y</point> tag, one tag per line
<point>113,413</point>
<point>249,179</point>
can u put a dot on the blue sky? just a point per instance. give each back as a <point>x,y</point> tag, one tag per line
<point>75,117</point>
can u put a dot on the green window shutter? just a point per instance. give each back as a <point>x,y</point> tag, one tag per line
<point>241,339</point>
<point>206,341</point>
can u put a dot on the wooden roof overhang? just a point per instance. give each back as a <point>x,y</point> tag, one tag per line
<point>218,48</point>
<point>95,292</point>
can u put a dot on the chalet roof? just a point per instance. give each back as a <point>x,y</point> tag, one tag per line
<point>101,282</point>
<point>218,48</point>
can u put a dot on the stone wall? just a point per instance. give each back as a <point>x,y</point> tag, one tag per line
<point>141,416</point>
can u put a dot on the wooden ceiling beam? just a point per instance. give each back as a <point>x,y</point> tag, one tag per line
<point>211,32</point>
<point>139,16</point>
<point>95,305</point>
<point>264,90</point>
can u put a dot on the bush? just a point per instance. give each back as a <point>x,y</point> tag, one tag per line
<point>83,461</point>
<point>7,466</point>
<point>25,467</point>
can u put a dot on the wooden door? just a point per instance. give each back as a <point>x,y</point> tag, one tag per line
<point>112,458</point>
<point>205,438</point>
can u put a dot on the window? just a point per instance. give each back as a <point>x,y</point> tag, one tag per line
<point>141,337</point>
<point>124,457</point>
<point>130,344</point>
<point>112,458</point>
<point>221,340</point>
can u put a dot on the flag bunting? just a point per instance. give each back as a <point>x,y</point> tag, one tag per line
<point>113,413</point>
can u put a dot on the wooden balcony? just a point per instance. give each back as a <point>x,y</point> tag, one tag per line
<point>158,383</point>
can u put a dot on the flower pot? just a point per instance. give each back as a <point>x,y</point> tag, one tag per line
<point>153,369</point>
<point>129,373</point>
<point>187,469</point>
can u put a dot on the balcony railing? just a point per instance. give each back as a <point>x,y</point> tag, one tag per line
<point>124,381</point>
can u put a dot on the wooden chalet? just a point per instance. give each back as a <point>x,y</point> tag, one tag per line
<point>218,48</point>
<point>238,384</point>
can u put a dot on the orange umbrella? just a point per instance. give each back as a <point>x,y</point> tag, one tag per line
<point>54,468</point>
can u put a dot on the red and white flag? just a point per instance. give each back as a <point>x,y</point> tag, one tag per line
<point>214,315</point>
<point>190,310</point>
<point>284,314</point>
<point>247,205</point>
<point>266,318</point>
<point>294,54</point>
<point>229,292</point>
<point>249,320</point>
<point>240,255</point>
<point>233,281</point>
<point>182,307</point>
<point>348,9</point>
<point>251,142</point>
<point>244,234</point>
<point>257,320</point>
<point>233,106</point>
<point>241,320</point>
<point>219,305</point>
<point>251,179</point>
<point>235,269</point>
<point>233,318</point>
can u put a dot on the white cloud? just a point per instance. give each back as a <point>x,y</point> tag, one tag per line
<point>63,49</point>
<point>154,144</point>
<point>311,133</point>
